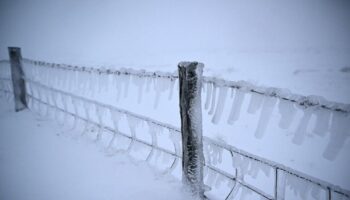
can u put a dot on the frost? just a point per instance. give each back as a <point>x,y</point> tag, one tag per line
<point>287,112</point>
<point>302,127</point>
<point>265,116</point>
<point>220,105</point>
<point>236,106</point>
<point>255,103</point>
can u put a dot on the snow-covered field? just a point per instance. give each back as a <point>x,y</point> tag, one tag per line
<point>42,160</point>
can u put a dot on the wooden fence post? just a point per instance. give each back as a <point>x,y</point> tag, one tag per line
<point>19,90</point>
<point>190,81</point>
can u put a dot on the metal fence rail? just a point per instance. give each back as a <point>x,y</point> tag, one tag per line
<point>36,93</point>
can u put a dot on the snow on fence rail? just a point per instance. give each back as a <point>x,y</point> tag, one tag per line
<point>39,94</point>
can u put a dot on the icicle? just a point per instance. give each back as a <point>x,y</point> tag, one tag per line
<point>266,169</point>
<point>175,137</point>
<point>75,104</point>
<point>265,116</point>
<point>100,112</point>
<point>100,80</point>
<point>339,132</point>
<point>154,130</point>
<point>126,85</point>
<point>298,186</point>
<point>255,103</point>
<point>219,180</point>
<point>211,177</point>
<point>302,127</point>
<point>281,185</point>
<point>133,123</point>
<point>245,193</point>
<point>86,109</point>
<point>337,196</point>
<point>160,86</point>
<point>220,105</point>
<point>165,158</point>
<point>172,84</point>
<point>118,84</point>
<point>139,83</point>
<point>214,153</point>
<point>316,192</point>
<point>116,117</point>
<point>235,191</point>
<point>236,106</point>
<point>149,81</point>
<point>253,169</point>
<point>64,101</point>
<point>287,112</point>
<point>213,99</point>
<point>208,95</point>
<point>322,121</point>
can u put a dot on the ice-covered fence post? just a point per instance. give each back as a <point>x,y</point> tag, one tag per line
<point>19,90</point>
<point>190,80</point>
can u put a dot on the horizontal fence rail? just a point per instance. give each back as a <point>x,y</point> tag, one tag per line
<point>304,101</point>
<point>36,93</point>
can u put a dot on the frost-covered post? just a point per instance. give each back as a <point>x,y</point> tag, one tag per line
<point>19,90</point>
<point>190,81</point>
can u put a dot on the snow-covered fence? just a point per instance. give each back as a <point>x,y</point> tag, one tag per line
<point>44,97</point>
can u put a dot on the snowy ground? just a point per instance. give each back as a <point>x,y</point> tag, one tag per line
<point>39,160</point>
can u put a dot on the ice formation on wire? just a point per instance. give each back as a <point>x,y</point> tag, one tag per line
<point>339,133</point>
<point>302,127</point>
<point>220,105</point>
<point>115,117</point>
<point>139,83</point>
<point>208,95</point>
<point>255,103</point>
<point>236,106</point>
<point>133,123</point>
<point>265,116</point>
<point>213,153</point>
<point>323,118</point>
<point>161,85</point>
<point>287,112</point>
<point>213,100</point>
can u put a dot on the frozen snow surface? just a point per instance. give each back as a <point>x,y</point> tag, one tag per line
<point>42,160</point>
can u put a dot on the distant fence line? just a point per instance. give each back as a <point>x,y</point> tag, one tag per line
<point>277,168</point>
